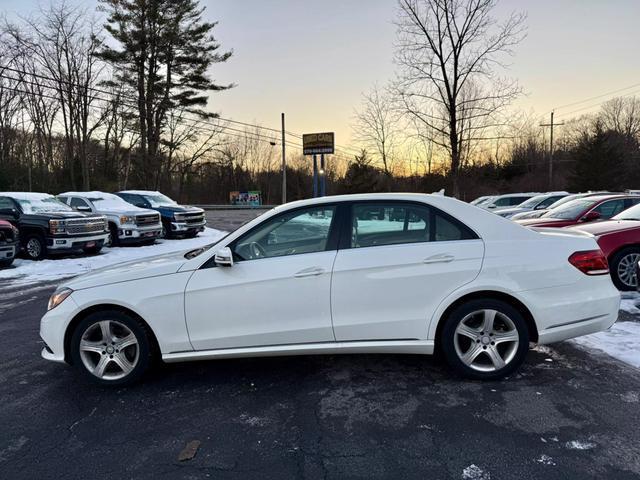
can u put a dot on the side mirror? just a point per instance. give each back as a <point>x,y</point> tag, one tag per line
<point>591,216</point>
<point>491,206</point>
<point>9,211</point>
<point>83,209</point>
<point>224,257</point>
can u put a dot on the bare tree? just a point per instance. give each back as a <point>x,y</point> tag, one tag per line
<point>377,127</point>
<point>622,114</point>
<point>447,51</point>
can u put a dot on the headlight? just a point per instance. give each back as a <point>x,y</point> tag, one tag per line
<point>57,226</point>
<point>127,219</point>
<point>58,297</point>
<point>178,217</point>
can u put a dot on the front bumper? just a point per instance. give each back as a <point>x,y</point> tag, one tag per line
<point>76,243</point>
<point>133,233</point>
<point>183,227</point>
<point>53,326</point>
<point>8,251</point>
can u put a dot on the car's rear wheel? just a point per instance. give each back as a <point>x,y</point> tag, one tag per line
<point>111,348</point>
<point>623,268</point>
<point>485,339</point>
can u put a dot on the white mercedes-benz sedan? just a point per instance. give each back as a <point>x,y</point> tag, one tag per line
<point>382,273</point>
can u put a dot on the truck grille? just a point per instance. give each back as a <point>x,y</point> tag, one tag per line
<point>151,219</point>
<point>79,226</point>
<point>193,218</point>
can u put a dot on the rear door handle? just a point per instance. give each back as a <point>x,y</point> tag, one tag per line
<point>309,272</point>
<point>440,258</point>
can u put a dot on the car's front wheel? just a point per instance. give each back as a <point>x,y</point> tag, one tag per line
<point>111,348</point>
<point>623,268</point>
<point>34,247</point>
<point>485,339</point>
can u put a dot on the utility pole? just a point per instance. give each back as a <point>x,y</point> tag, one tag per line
<point>284,166</point>
<point>551,124</point>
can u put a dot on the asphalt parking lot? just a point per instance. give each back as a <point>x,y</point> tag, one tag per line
<point>567,414</point>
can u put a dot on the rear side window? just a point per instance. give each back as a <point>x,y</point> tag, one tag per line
<point>77,202</point>
<point>378,224</point>
<point>513,201</point>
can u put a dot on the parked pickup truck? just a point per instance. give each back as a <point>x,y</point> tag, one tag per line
<point>177,220</point>
<point>8,243</point>
<point>127,223</point>
<point>48,226</point>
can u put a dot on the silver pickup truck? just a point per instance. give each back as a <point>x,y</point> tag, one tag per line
<point>127,223</point>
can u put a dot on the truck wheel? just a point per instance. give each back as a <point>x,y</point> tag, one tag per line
<point>166,231</point>
<point>34,247</point>
<point>113,240</point>
<point>623,268</point>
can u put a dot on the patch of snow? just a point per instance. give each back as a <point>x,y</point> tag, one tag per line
<point>629,302</point>
<point>53,269</point>
<point>621,341</point>
<point>577,445</point>
<point>545,460</point>
<point>473,472</point>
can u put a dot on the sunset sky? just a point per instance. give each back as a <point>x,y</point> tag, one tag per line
<point>313,60</point>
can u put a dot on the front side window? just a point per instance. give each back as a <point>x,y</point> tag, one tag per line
<point>609,209</point>
<point>294,233</point>
<point>376,224</point>
<point>6,203</point>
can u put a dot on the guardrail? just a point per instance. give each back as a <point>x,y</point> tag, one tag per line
<point>235,207</point>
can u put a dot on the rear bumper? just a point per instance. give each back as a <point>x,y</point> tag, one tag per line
<point>59,244</point>
<point>570,311</point>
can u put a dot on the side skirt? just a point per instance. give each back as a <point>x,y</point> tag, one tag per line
<point>416,347</point>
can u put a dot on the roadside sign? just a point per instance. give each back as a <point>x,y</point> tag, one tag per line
<point>318,143</point>
<point>252,198</point>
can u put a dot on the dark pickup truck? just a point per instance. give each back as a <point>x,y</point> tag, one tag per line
<point>48,226</point>
<point>8,243</point>
<point>177,220</point>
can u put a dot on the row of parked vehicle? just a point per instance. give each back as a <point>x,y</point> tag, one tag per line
<point>612,218</point>
<point>40,224</point>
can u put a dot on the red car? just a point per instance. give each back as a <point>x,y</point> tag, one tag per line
<point>583,210</point>
<point>8,243</point>
<point>619,239</point>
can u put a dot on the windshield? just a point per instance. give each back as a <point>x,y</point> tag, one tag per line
<point>158,200</point>
<point>112,202</point>
<point>42,205</point>
<point>570,210</point>
<point>532,202</point>
<point>632,213</point>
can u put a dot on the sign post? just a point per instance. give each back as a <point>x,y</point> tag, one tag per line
<point>318,144</point>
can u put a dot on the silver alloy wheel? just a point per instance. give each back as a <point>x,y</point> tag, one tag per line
<point>486,340</point>
<point>34,248</point>
<point>109,350</point>
<point>109,241</point>
<point>627,269</point>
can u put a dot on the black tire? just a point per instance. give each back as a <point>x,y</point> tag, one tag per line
<point>34,246</point>
<point>622,281</point>
<point>142,335</point>
<point>515,353</point>
<point>191,234</point>
<point>93,250</point>
<point>166,230</point>
<point>113,236</point>
<point>6,263</point>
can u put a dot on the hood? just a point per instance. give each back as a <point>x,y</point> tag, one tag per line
<point>133,270</point>
<point>179,209</point>
<point>130,211</point>
<point>538,222</point>
<point>62,215</point>
<point>608,226</point>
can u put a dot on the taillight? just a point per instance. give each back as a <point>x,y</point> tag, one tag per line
<point>591,262</point>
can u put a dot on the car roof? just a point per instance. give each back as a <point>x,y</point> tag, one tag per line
<point>91,195</point>
<point>25,195</point>
<point>140,192</point>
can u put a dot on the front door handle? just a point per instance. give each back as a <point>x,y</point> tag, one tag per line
<point>309,272</point>
<point>440,258</point>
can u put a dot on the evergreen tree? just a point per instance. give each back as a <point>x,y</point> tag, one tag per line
<point>164,51</point>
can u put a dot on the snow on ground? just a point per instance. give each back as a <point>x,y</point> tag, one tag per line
<point>52,269</point>
<point>621,341</point>
<point>629,303</point>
